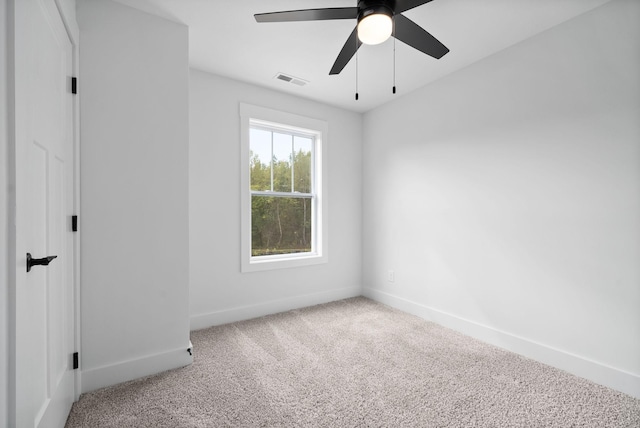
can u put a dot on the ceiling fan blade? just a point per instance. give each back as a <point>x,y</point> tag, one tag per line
<point>415,36</point>
<point>403,5</point>
<point>308,15</point>
<point>348,51</point>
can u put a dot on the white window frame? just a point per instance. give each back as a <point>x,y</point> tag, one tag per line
<point>288,122</point>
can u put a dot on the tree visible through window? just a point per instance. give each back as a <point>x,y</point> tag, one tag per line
<point>282,191</point>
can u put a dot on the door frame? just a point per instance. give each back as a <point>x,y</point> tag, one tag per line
<point>66,9</point>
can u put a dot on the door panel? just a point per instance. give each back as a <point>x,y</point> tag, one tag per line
<point>44,205</point>
<point>32,337</point>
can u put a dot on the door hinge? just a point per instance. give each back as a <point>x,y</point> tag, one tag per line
<point>76,363</point>
<point>74,85</point>
<point>74,223</point>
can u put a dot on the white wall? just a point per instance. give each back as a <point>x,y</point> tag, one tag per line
<point>4,219</point>
<point>219,292</point>
<point>134,166</point>
<point>506,198</point>
<point>68,12</point>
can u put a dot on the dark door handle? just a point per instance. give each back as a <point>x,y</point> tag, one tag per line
<point>34,262</point>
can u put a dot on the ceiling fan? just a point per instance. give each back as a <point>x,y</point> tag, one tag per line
<point>377,21</point>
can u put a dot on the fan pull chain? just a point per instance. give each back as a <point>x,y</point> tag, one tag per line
<point>356,69</point>
<point>394,54</point>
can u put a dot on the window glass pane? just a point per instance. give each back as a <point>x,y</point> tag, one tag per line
<point>302,164</point>
<point>280,225</point>
<point>260,159</point>
<point>282,148</point>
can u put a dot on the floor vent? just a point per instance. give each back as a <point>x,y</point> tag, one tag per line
<point>291,79</point>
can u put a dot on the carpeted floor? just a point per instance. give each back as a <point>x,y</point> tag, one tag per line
<point>353,363</point>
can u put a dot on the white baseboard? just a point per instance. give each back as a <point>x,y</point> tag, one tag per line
<point>611,377</point>
<point>124,371</point>
<point>271,307</point>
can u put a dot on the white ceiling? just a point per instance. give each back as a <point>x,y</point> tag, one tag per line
<point>226,40</point>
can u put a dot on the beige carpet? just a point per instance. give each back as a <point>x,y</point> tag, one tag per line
<point>353,363</point>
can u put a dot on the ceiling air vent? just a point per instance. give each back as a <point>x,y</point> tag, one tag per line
<point>291,79</point>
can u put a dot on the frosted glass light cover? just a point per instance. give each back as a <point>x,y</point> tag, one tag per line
<point>375,29</point>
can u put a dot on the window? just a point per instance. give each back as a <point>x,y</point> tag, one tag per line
<point>283,214</point>
<point>282,192</point>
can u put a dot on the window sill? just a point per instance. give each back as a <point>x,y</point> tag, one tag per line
<point>279,262</point>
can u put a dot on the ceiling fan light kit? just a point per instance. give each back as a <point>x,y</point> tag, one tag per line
<point>375,24</point>
<point>377,20</point>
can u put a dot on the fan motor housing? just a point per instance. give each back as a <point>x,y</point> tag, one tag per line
<point>370,7</point>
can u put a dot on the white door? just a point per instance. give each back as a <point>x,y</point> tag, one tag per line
<point>45,379</point>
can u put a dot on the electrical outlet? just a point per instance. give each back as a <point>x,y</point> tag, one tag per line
<point>391,276</point>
